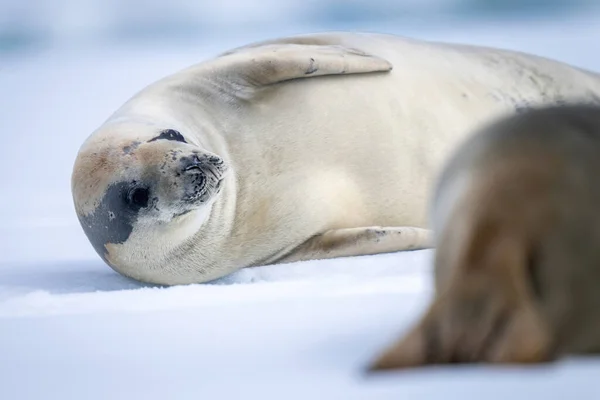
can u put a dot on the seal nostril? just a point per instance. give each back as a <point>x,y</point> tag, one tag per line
<point>192,164</point>
<point>215,160</point>
<point>192,167</point>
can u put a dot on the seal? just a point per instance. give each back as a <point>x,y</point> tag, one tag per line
<point>517,267</point>
<point>307,147</point>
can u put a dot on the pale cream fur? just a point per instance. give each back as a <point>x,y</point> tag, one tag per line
<point>357,147</point>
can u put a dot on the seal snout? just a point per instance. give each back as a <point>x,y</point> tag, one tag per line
<point>192,165</point>
<point>202,175</point>
<point>210,165</point>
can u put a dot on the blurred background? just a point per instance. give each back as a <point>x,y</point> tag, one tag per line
<point>66,65</point>
<point>27,25</point>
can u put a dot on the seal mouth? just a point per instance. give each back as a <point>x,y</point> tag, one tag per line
<point>206,185</point>
<point>181,214</point>
<point>199,191</point>
<point>193,169</point>
<point>210,188</point>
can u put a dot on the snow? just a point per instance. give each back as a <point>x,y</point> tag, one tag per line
<point>71,328</point>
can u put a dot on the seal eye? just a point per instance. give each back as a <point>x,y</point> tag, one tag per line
<point>138,197</point>
<point>169,134</point>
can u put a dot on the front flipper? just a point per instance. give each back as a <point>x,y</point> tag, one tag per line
<point>247,70</point>
<point>360,241</point>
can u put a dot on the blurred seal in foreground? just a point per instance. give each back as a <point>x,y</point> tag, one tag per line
<point>315,146</point>
<point>517,225</point>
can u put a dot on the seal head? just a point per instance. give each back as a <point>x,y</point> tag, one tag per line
<point>129,178</point>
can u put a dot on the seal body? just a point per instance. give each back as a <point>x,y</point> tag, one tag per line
<point>517,268</point>
<point>322,145</point>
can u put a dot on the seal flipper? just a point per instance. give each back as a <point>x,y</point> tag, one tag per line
<point>484,311</point>
<point>360,241</point>
<point>263,65</point>
<point>500,336</point>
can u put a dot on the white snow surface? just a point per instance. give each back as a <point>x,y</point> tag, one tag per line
<point>71,328</point>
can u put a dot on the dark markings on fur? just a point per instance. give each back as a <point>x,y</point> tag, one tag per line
<point>154,203</point>
<point>381,232</point>
<point>112,221</point>
<point>130,148</point>
<point>169,134</point>
<point>522,108</point>
<point>311,67</point>
<point>182,213</point>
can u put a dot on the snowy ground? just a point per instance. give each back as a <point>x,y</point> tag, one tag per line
<point>71,328</point>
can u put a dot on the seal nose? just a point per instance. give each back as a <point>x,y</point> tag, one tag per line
<point>216,161</point>
<point>196,164</point>
<point>192,165</point>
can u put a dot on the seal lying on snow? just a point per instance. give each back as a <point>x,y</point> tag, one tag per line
<point>517,224</point>
<point>293,149</point>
